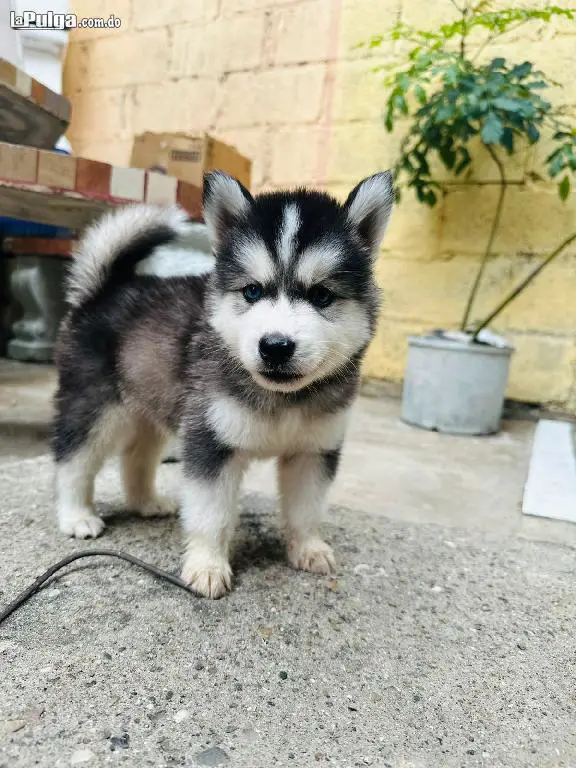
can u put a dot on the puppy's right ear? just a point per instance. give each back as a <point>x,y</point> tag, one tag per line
<point>225,201</point>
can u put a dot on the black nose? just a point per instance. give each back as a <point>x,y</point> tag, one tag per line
<point>276,349</point>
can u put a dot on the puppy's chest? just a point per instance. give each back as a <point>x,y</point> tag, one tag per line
<point>266,436</point>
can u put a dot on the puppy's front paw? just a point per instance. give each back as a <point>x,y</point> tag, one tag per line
<point>312,555</point>
<point>159,506</point>
<point>81,524</point>
<point>207,574</point>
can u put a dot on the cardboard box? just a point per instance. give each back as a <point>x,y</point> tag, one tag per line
<point>187,156</point>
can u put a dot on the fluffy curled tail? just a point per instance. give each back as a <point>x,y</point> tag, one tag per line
<point>111,248</point>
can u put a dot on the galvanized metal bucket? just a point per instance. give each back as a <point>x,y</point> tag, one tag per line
<point>454,387</point>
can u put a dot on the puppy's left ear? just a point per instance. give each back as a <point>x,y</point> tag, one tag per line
<point>368,208</point>
<point>225,202</point>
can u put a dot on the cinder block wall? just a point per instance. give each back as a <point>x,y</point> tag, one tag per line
<point>282,80</point>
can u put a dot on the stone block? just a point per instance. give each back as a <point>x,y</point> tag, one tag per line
<point>290,95</point>
<point>305,32</point>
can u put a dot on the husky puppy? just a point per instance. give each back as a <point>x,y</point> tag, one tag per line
<point>256,356</point>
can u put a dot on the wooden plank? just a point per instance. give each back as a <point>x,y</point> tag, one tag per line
<point>24,122</point>
<point>30,113</point>
<point>43,206</point>
<point>71,209</point>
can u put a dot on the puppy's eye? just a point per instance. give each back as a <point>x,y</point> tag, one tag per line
<point>252,292</point>
<point>320,297</point>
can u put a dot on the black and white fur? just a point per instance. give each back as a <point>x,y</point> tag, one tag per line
<point>257,355</point>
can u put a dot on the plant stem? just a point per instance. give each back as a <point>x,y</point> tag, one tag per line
<point>455,4</point>
<point>463,35</point>
<point>519,288</point>
<point>493,233</point>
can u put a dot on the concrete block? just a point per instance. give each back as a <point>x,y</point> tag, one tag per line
<point>127,183</point>
<point>298,155</point>
<point>114,107</point>
<point>234,7</point>
<point>428,16</point>
<point>115,152</point>
<point>122,59</point>
<point>161,189</point>
<point>359,93</point>
<point>174,12</point>
<point>534,219</point>
<point>358,150</point>
<point>429,292</point>
<point>542,369</point>
<point>362,19</point>
<point>547,304</point>
<point>279,96</point>
<point>226,45</point>
<point>121,9</point>
<point>56,170</point>
<point>186,105</point>
<point>93,177</point>
<point>305,32</point>
<point>18,163</point>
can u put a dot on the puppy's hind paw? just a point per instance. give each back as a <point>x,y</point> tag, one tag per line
<point>159,506</point>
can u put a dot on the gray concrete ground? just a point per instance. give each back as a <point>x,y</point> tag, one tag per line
<point>446,638</point>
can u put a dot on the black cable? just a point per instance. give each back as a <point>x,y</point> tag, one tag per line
<point>24,596</point>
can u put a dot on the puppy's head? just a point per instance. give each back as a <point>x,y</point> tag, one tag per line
<point>294,294</point>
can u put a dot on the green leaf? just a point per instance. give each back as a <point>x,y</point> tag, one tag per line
<point>533,133</point>
<point>492,129</point>
<point>510,105</point>
<point>464,162</point>
<point>521,70</point>
<point>498,63</point>
<point>420,94</point>
<point>448,156</point>
<point>507,140</point>
<point>556,165</point>
<point>445,113</point>
<point>564,188</point>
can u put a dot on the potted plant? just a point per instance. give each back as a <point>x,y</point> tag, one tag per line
<point>459,102</point>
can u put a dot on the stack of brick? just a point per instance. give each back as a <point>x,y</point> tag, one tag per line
<point>49,188</point>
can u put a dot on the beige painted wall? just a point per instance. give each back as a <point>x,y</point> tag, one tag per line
<point>281,79</point>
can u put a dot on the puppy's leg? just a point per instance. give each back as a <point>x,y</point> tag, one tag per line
<point>304,481</point>
<point>212,477</point>
<point>80,450</point>
<point>140,460</point>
